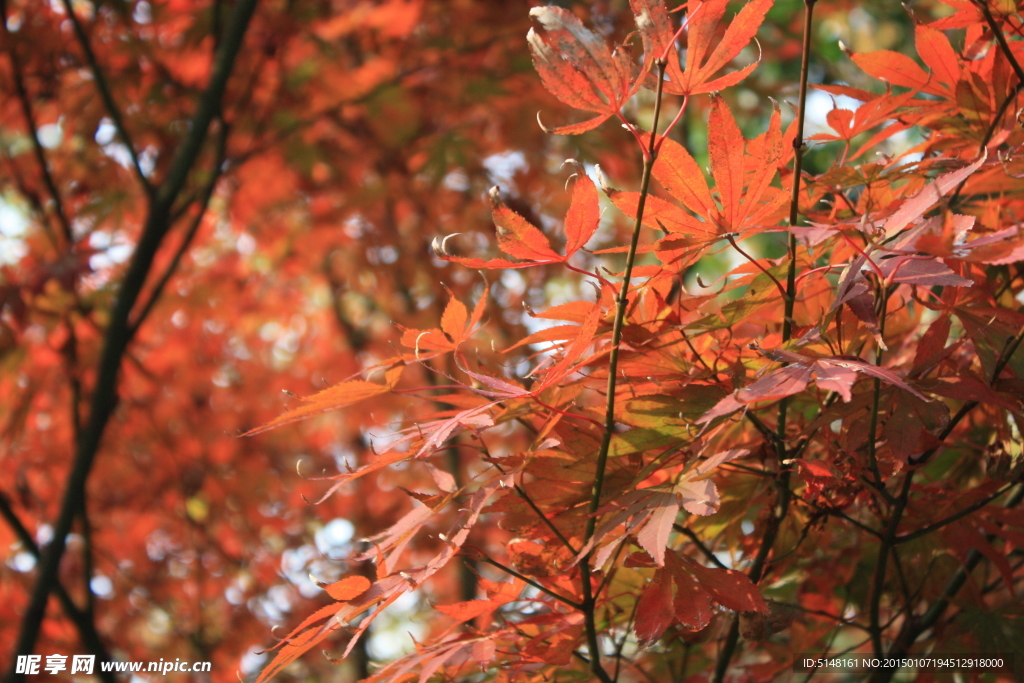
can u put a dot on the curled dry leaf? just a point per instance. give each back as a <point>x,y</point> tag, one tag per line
<point>577,67</point>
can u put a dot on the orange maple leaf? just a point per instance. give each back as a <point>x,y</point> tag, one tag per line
<point>338,396</point>
<point>521,239</point>
<point>702,63</point>
<point>457,325</point>
<point>742,169</point>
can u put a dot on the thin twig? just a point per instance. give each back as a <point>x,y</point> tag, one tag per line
<point>547,591</point>
<point>1012,344</point>
<point>832,512</point>
<point>686,531</point>
<point>924,531</point>
<point>551,525</point>
<point>37,146</point>
<point>622,642</point>
<point>540,513</point>
<point>789,300</point>
<point>650,154</point>
<point>105,94</point>
<point>186,240</point>
<point>765,430</point>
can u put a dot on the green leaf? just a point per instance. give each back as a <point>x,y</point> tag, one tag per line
<point>638,441</point>
<point>673,414</point>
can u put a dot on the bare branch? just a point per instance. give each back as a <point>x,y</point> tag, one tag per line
<point>108,98</point>
<point>186,240</point>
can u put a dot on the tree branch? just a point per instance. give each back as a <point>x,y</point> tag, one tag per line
<point>204,203</point>
<point>209,105</point>
<point>37,147</point>
<point>1001,39</point>
<point>118,333</point>
<point>107,96</point>
<point>613,363</point>
<point>877,394</point>
<point>889,537</point>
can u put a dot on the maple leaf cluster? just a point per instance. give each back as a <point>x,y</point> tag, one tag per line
<point>675,458</point>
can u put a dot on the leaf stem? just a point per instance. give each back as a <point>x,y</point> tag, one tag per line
<point>566,413</point>
<point>877,392</point>
<point>867,257</point>
<point>789,300</point>
<point>672,125</point>
<point>778,285</point>
<point>589,603</point>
